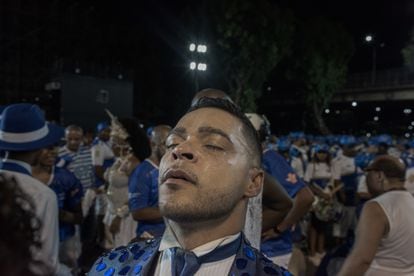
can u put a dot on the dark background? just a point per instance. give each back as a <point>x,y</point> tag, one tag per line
<point>146,42</point>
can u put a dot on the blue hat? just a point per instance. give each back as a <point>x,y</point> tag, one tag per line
<point>2,107</point>
<point>149,131</point>
<point>283,145</point>
<point>384,139</point>
<point>101,126</point>
<point>294,152</point>
<point>362,160</point>
<point>372,141</point>
<point>296,135</point>
<point>347,140</point>
<point>23,128</point>
<point>321,148</point>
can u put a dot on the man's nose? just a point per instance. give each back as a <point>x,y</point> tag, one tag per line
<point>184,151</point>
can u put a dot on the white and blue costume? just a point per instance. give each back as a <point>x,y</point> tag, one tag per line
<point>237,257</point>
<point>143,193</point>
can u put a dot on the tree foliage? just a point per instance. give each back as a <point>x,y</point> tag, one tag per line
<point>252,37</point>
<point>408,52</point>
<point>322,50</point>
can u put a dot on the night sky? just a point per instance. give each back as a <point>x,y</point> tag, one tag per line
<point>390,22</point>
<point>151,38</point>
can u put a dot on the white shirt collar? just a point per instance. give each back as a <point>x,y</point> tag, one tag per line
<point>152,163</point>
<point>169,241</point>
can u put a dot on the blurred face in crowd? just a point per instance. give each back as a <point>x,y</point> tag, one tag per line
<point>158,139</point>
<point>74,139</point>
<point>349,150</point>
<point>105,134</point>
<point>375,182</point>
<point>88,138</point>
<point>322,155</point>
<point>48,156</point>
<point>207,170</point>
<point>120,147</point>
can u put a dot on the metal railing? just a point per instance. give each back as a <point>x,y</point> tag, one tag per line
<point>390,78</point>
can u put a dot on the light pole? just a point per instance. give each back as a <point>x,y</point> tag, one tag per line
<point>370,40</point>
<point>197,63</point>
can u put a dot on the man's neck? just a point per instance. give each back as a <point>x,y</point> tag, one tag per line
<point>42,173</point>
<point>40,169</point>
<point>72,150</point>
<point>154,159</point>
<point>395,186</point>
<point>193,234</point>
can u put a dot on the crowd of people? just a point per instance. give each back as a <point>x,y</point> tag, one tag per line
<point>215,194</point>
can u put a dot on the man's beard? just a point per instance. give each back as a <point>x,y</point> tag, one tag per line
<point>205,207</point>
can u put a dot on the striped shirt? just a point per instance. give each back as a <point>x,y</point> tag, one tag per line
<point>79,163</point>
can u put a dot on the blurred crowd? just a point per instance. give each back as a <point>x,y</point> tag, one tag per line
<point>107,192</point>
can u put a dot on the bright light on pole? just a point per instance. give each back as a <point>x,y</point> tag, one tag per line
<point>202,67</point>
<point>407,111</point>
<point>354,103</point>
<point>378,109</point>
<point>193,65</point>
<point>327,111</point>
<point>202,48</point>
<point>368,38</point>
<point>192,47</point>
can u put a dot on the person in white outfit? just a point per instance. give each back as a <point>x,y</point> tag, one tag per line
<point>128,144</point>
<point>23,134</point>
<point>384,243</point>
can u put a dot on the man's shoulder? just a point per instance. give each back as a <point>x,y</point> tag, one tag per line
<point>126,260</point>
<point>29,183</point>
<point>258,262</point>
<point>144,167</point>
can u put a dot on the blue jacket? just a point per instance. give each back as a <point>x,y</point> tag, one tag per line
<point>140,258</point>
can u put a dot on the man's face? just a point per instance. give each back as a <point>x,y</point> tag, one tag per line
<point>120,147</point>
<point>48,156</point>
<point>73,139</point>
<point>105,134</point>
<point>160,140</point>
<point>374,183</point>
<point>206,168</point>
<point>322,155</point>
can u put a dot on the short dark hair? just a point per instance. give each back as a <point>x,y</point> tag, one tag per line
<point>391,166</point>
<point>74,128</point>
<point>210,93</point>
<point>249,131</point>
<point>138,139</point>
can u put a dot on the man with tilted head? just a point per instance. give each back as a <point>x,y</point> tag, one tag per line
<point>210,170</point>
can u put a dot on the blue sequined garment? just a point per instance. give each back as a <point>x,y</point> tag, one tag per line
<point>140,257</point>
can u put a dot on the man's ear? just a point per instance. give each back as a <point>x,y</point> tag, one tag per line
<point>256,178</point>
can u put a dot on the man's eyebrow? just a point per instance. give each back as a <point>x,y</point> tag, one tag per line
<point>211,130</point>
<point>179,131</point>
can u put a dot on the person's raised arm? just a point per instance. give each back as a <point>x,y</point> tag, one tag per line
<point>277,203</point>
<point>301,205</point>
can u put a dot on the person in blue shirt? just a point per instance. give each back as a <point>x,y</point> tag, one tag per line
<point>102,155</point>
<point>277,242</point>
<point>69,192</point>
<point>143,188</point>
